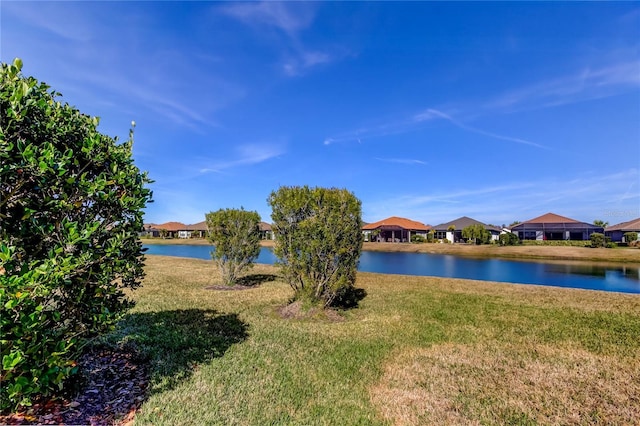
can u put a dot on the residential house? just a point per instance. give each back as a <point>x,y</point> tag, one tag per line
<point>172,229</point>
<point>266,231</point>
<point>197,230</point>
<point>149,230</point>
<point>452,231</point>
<point>616,232</point>
<point>551,226</point>
<point>394,229</point>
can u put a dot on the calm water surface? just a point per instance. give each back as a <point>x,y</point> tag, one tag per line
<point>607,277</point>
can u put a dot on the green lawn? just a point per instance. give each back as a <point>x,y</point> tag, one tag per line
<point>417,350</point>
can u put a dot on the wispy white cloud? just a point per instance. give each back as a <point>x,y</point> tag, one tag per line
<point>159,80</point>
<point>401,161</point>
<point>248,155</point>
<point>385,129</point>
<point>415,122</point>
<point>305,60</point>
<point>290,19</point>
<point>614,192</point>
<point>42,16</point>
<point>430,114</point>
<point>589,83</point>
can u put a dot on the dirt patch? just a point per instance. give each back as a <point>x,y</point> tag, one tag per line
<point>464,384</point>
<point>295,310</point>
<point>114,386</point>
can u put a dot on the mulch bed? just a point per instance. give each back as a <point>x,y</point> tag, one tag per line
<point>114,386</point>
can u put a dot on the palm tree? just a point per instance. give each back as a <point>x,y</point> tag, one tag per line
<point>600,223</point>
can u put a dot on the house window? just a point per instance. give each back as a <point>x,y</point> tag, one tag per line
<point>553,236</point>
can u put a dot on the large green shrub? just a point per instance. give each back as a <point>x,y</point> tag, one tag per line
<point>508,239</point>
<point>318,240</point>
<point>477,233</point>
<point>236,237</point>
<point>630,236</point>
<point>418,239</point>
<point>597,240</point>
<point>71,204</point>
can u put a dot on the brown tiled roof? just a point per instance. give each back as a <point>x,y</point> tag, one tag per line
<point>264,226</point>
<point>398,222</point>
<point>551,218</point>
<point>172,226</point>
<point>629,226</point>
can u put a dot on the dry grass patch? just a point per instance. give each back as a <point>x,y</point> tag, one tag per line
<point>626,255</point>
<point>502,384</point>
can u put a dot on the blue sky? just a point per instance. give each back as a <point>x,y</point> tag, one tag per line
<point>426,110</point>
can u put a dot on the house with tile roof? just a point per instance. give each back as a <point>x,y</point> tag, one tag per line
<point>197,230</point>
<point>552,226</point>
<point>452,230</point>
<point>394,229</point>
<point>266,231</point>
<point>616,232</point>
<point>170,229</point>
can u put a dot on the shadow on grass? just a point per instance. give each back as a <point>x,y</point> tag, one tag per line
<point>176,342</point>
<point>349,299</point>
<point>254,280</point>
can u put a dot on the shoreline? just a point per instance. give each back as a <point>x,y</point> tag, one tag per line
<point>585,254</point>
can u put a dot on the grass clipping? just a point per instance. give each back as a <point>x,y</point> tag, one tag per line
<point>465,384</point>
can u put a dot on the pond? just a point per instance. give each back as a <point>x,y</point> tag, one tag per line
<point>623,278</point>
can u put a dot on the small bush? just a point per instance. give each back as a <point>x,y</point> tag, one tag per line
<point>597,240</point>
<point>509,239</point>
<point>418,239</point>
<point>477,234</point>
<point>236,237</point>
<point>630,236</point>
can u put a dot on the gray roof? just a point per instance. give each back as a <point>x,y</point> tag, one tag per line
<point>462,222</point>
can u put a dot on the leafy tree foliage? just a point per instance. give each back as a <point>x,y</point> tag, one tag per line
<point>509,239</point>
<point>236,237</point>
<point>597,240</point>
<point>417,238</point>
<point>477,233</point>
<point>71,204</point>
<point>318,240</point>
<point>600,223</point>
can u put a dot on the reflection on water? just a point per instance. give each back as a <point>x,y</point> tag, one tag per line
<point>630,272</point>
<point>606,277</point>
